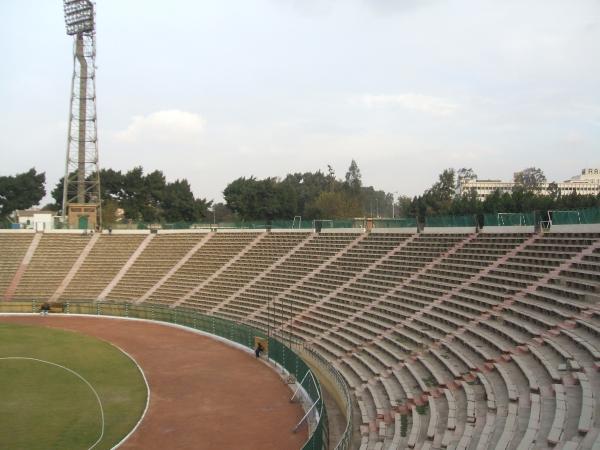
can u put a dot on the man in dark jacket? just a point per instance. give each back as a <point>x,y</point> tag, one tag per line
<point>258,350</point>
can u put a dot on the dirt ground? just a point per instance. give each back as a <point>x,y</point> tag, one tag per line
<point>204,394</point>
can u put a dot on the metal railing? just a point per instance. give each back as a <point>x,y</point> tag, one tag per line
<point>235,332</point>
<point>342,387</point>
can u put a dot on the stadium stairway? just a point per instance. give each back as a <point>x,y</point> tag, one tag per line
<point>276,300</point>
<point>257,259</point>
<point>280,276</point>
<point>17,252</point>
<point>229,302</point>
<point>153,263</point>
<point>128,264</point>
<point>76,266</point>
<point>333,313</point>
<point>175,267</point>
<point>391,289</point>
<point>105,259</point>
<point>220,249</point>
<point>50,262</point>
<point>190,295</point>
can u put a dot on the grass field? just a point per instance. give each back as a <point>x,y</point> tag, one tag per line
<point>44,406</point>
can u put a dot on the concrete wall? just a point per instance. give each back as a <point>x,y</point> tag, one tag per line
<point>449,230</point>
<point>583,228</point>
<point>508,229</point>
<point>407,230</point>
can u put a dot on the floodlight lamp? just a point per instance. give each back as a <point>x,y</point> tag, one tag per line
<point>79,16</point>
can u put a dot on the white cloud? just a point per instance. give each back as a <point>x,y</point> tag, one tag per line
<point>423,103</point>
<point>170,125</point>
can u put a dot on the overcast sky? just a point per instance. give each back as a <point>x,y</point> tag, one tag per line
<point>214,90</point>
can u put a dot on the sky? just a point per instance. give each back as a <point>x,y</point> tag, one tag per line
<point>212,91</point>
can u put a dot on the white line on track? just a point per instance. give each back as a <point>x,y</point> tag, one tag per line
<point>147,397</point>
<point>77,375</point>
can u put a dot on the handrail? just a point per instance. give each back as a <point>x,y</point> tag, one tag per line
<point>346,439</point>
<point>238,333</point>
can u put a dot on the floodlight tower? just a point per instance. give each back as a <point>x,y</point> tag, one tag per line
<point>81,189</point>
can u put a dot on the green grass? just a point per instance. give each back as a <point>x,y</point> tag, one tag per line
<point>46,407</point>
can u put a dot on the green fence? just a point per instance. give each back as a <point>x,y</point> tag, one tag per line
<point>450,221</point>
<point>342,388</point>
<point>575,217</point>
<point>235,332</point>
<point>403,222</point>
<point>508,219</point>
<point>338,223</point>
<point>297,224</point>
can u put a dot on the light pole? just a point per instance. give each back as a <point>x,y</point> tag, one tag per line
<point>81,184</point>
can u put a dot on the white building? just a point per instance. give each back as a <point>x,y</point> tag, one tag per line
<point>36,219</point>
<point>588,183</point>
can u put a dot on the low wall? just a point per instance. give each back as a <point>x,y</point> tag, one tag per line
<point>508,229</point>
<point>583,228</point>
<point>449,230</point>
<point>407,230</point>
<point>342,230</point>
<point>16,231</point>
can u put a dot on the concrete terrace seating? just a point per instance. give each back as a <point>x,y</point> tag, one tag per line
<point>12,250</point>
<point>325,283</point>
<point>470,341</point>
<point>266,252</point>
<point>390,308</point>
<point>104,261</point>
<point>156,259</point>
<point>51,261</point>
<point>215,253</point>
<point>298,266</point>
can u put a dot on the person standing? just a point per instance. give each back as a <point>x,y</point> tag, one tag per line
<point>258,350</point>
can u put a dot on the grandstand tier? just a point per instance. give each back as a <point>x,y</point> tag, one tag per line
<point>470,341</point>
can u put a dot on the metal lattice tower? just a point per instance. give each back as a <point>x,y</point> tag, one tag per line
<point>82,171</point>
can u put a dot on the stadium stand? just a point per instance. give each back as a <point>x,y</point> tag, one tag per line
<point>156,260</point>
<point>50,263</point>
<point>14,248</point>
<point>446,340</point>
<point>102,264</point>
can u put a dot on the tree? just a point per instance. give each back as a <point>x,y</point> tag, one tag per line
<point>112,184</point>
<point>335,205</point>
<point>331,177</point>
<point>304,188</point>
<point>221,213</point>
<point>254,199</point>
<point>438,199</point>
<point>21,191</point>
<point>464,175</point>
<point>353,181</point>
<point>529,179</point>
<point>109,211</point>
<point>238,196</point>
<point>179,205</point>
<point>145,197</point>
<point>403,204</point>
<point>375,203</point>
<point>553,190</point>
<point>467,174</point>
<point>152,197</point>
